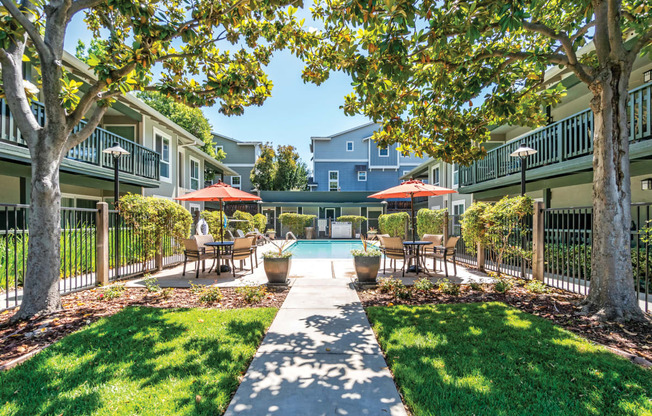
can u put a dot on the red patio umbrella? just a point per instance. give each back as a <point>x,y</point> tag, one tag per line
<point>219,192</point>
<point>410,189</point>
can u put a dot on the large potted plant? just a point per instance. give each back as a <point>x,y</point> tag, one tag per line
<point>367,263</point>
<point>277,265</point>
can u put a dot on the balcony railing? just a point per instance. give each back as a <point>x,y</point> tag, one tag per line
<point>141,161</point>
<point>563,140</point>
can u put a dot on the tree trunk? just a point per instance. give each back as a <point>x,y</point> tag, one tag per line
<point>611,293</point>
<point>41,287</point>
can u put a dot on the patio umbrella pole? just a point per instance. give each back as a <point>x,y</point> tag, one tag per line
<point>221,221</point>
<point>414,238</point>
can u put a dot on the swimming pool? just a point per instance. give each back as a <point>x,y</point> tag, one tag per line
<point>324,249</point>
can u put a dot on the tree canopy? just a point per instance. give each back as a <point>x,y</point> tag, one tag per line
<point>438,75</point>
<point>280,170</point>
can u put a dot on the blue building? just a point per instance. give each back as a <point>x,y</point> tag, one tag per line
<point>350,161</point>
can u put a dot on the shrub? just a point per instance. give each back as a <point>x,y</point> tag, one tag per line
<point>260,222</point>
<point>430,221</point>
<point>445,286</point>
<point>503,286</point>
<point>476,286</point>
<point>210,295</point>
<point>366,253</point>
<point>252,294</point>
<point>112,292</point>
<point>215,220</point>
<point>423,285</point>
<point>167,292</point>
<point>388,284</point>
<point>151,283</point>
<point>296,222</point>
<point>196,289</point>
<point>394,224</point>
<point>245,223</point>
<point>153,219</point>
<point>402,292</point>
<point>537,286</point>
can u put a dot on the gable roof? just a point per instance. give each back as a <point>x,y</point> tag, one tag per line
<point>236,141</point>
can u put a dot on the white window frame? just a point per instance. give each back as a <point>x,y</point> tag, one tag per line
<point>456,179</point>
<point>337,181</point>
<point>239,185</point>
<point>457,204</point>
<point>436,179</point>
<point>218,147</point>
<point>352,146</point>
<point>380,149</point>
<point>75,197</point>
<point>168,162</point>
<point>364,179</point>
<point>190,177</point>
<point>192,207</point>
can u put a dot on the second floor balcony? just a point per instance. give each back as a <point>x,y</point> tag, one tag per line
<point>563,147</point>
<point>140,167</point>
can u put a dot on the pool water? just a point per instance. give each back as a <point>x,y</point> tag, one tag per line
<point>324,249</point>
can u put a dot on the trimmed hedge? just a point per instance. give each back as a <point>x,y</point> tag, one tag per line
<point>296,222</point>
<point>260,222</point>
<point>394,224</point>
<point>430,221</point>
<point>246,226</point>
<point>214,220</point>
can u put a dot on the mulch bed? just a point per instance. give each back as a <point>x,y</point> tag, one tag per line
<point>558,306</point>
<point>83,308</point>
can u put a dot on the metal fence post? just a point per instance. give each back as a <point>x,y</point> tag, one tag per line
<point>446,230</point>
<point>102,244</point>
<point>538,241</point>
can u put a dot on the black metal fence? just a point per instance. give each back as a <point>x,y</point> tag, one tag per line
<point>568,237</point>
<point>78,250</point>
<point>464,254</point>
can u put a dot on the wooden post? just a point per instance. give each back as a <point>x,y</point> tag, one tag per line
<point>480,257</point>
<point>445,230</point>
<point>158,258</point>
<point>538,241</point>
<point>102,244</point>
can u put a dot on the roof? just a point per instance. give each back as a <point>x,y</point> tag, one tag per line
<point>313,138</point>
<point>418,171</point>
<point>212,161</point>
<point>236,141</point>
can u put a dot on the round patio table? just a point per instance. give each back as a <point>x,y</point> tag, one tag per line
<point>219,245</point>
<point>415,247</point>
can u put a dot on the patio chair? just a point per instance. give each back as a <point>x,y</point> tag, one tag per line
<point>394,250</point>
<point>254,244</point>
<point>228,235</point>
<point>262,237</point>
<point>429,250</point>
<point>193,252</point>
<point>239,233</point>
<point>448,252</point>
<point>241,251</point>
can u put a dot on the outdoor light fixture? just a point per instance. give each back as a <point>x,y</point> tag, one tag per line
<point>646,184</point>
<point>117,152</point>
<point>523,152</point>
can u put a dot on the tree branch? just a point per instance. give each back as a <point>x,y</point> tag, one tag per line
<point>80,5</point>
<point>640,44</point>
<point>91,124</point>
<point>12,80</point>
<point>32,31</point>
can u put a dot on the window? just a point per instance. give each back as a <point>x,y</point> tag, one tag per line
<point>194,174</point>
<point>349,146</point>
<point>333,180</point>
<point>435,176</point>
<point>235,181</point>
<point>218,148</point>
<point>458,207</point>
<point>362,176</point>
<point>383,151</point>
<point>163,149</point>
<point>456,176</point>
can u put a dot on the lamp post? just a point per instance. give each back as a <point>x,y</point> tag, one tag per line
<point>523,152</point>
<point>117,152</point>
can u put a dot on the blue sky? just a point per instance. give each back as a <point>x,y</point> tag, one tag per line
<point>295,111</point>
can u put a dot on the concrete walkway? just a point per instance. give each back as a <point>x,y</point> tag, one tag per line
<point>319,357</point>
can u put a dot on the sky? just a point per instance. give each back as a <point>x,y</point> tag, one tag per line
<point>295,111</point>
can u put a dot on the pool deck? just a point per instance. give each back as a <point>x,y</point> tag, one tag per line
<point>301,268</point>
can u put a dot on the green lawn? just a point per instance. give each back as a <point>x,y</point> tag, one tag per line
<point>141,361</point>
<point>491,359</point>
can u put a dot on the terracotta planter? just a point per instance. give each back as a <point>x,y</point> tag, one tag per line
<point>277,270</point>
<point>366,268</point>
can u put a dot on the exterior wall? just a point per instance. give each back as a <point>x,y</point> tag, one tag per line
<point>239,157</point>
<point>382,172</point>
<point>446,180</point>
<point>245,181</point>
<point>9,190</point>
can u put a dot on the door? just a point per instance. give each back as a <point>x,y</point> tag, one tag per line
<point>270,214</point>
<point>330,216</point>
<point>373,214</point>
